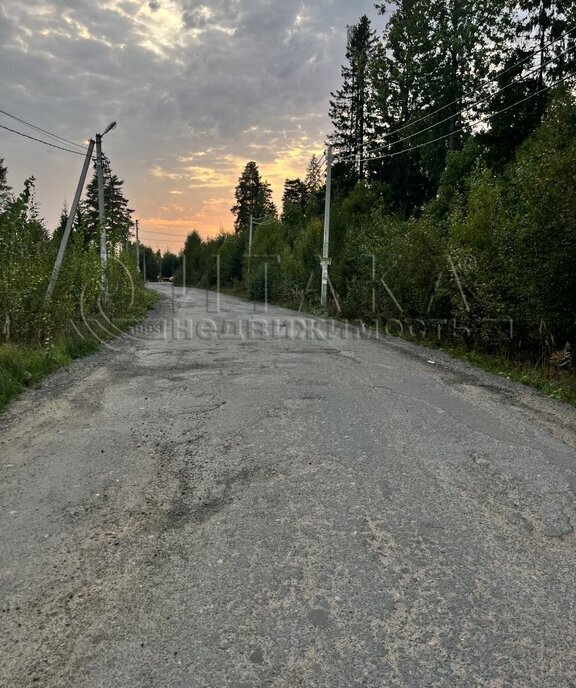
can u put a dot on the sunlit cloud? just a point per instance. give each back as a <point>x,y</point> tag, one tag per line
<point>198,88</point>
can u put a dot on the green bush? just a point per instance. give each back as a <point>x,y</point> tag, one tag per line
<point>38,335</point>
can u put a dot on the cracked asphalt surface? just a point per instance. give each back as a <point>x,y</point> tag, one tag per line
<point>224,511</point>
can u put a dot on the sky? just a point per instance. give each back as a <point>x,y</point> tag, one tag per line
<point>198,89</point>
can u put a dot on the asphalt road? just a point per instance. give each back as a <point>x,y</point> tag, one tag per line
<point>252,505</point>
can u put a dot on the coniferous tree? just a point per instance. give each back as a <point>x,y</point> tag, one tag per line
<point>352,107</point>
<point>315,185</point>
<point>295,199</point>
<point>433,71</point>
<point>89,213</point>
<point>5,190</point>
<point>540,51</point>
<point>546,21</point>
<point>401,64</point>
<point>517,107</point>
<point>471,35</point>
<point>118,213</point>
<point>314,177</point>
<point>253,197</point>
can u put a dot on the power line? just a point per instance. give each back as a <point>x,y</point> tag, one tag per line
<point>473,124</point>
<point>182,238</point>
<point>150,244</point>
<point>143,242</point>
<point>43,131</point>
<point>474,91</point>
<point>478,102</point>
<point>33,138</point>
<point>471,93</point>
<point>179,236</point>
<point>156,246</point>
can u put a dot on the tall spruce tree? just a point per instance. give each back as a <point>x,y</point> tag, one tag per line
<point>403,61</point>
<point>253,197</point>
<point>314,177</point>
<point>401,64</point>
<point>118,212</point>
<point>352,107</point>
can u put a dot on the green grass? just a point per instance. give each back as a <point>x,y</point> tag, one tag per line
<point>24,366</point>
<point>552,382</point>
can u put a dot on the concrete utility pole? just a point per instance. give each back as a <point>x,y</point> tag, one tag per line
<point>101,204</point>
<point>137,247</point>
<point>250,235</point>
<point>101,211</point>
<point>183,273</point>
<point>325,261</point>
<point>69,223</point>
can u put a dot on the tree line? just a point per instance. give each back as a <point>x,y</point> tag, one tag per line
<point>453,184</point>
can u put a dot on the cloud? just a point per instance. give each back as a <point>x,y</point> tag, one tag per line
<point>198,88</point>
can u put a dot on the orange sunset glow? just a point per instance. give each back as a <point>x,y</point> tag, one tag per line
<point>213,190</point>
<point>198,90</point>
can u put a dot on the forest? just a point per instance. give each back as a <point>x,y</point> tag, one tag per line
<point>453,208</point>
